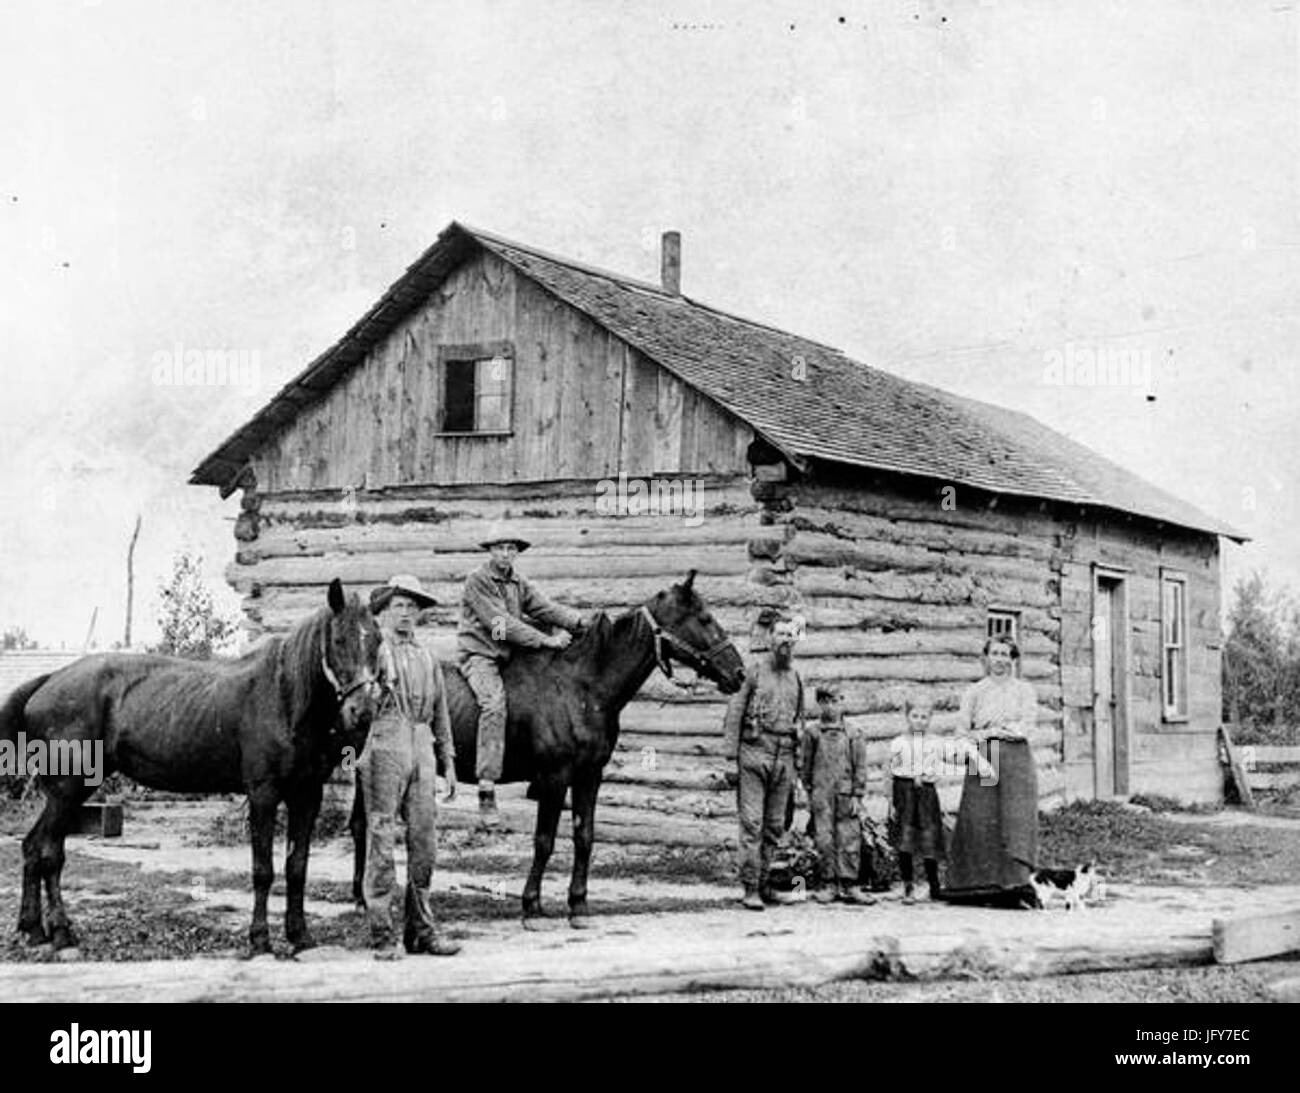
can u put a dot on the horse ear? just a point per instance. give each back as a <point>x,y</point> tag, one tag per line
<point>336,596</point>
<point>690,580</point>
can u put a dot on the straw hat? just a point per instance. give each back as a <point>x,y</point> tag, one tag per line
<point>502,532</point>
<point>405,584</point>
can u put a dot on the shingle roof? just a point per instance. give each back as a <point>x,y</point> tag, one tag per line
<point>807,399</point>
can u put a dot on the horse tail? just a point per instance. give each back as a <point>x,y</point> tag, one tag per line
<point>12,712</point>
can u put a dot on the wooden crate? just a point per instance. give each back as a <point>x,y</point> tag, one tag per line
<point>100,819</point>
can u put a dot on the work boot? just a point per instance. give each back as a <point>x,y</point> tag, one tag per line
<point>850,894</point>
<point>383,943</point>
<point>430,943</point>
<point>767,895</point>
<point>488,816</point>
<point>752,901</point>
<point>932,878</point>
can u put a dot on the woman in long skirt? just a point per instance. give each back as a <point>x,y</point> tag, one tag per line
<point>994,846</point>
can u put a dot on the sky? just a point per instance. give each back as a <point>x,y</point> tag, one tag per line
<point>961,193</point>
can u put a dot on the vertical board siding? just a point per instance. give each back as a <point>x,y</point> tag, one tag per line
<point>585,405</point>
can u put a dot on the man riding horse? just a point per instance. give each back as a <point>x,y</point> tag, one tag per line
<point>494,607</point>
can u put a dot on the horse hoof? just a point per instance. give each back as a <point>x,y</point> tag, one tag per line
<point>581,922</point>
<point>533,908</point>
<point>259,945</point>
<point>63,938</point>
<point>304,942</point>
<point>69,955</point>
<point>34,936</point>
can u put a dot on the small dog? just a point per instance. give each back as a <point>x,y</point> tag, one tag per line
<point>1074,886</point>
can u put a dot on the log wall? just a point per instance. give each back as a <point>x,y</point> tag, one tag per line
<point>665,782</point>
<point>896,582</point>
<point>893,586</point>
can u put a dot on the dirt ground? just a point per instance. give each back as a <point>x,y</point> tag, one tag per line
<point>177,886</point>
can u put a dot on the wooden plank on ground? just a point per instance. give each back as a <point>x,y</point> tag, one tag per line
<point>1272,753</point>
<point>1253,937</point>
<point>1234,766</point>
<point>1284,990</point>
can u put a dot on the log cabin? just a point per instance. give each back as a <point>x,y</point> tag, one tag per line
<point>634,433</point>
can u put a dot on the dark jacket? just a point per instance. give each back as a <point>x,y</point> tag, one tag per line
<point>493,610</point>
<point>834,761</point>
<point>769,701</point>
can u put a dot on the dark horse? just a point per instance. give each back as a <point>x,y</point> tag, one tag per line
<point>273,723</point>
<point>563,718</point>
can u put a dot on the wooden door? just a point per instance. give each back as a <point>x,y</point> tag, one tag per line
<point>1110,699</point>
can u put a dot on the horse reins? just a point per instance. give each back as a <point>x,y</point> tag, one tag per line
<point>341,692</point>
<point>694,656</point>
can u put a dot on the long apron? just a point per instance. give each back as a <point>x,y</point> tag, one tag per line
<point>995,843</point>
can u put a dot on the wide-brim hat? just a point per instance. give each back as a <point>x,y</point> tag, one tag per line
<point>404,584</point>
<point>501,532</point>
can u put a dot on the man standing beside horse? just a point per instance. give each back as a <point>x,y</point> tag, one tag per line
<point>761,733</point>
<point>409,738</point>
<point>494,607</point>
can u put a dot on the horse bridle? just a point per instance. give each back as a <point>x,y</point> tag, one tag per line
<point>694,657</point>
<point>341,692</point>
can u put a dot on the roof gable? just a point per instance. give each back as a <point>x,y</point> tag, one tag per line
<point>808,399</point>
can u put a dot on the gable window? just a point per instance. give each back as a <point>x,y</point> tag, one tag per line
<point>1003,623</point>
<point>1173,631</point>
<point>477,384</point>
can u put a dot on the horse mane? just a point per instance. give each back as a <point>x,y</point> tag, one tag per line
<point>597,641</point>
<point>300,667</point>
<point>593,639</point>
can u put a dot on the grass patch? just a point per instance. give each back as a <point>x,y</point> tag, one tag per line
<point>1147,847</point>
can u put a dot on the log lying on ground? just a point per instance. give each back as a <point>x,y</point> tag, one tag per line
<point>609,967</point>
<point>1253,937</point>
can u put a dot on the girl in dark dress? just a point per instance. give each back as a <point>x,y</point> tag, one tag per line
<point>915,820</point>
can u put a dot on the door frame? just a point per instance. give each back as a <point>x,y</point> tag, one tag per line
<point>1116,579</point>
